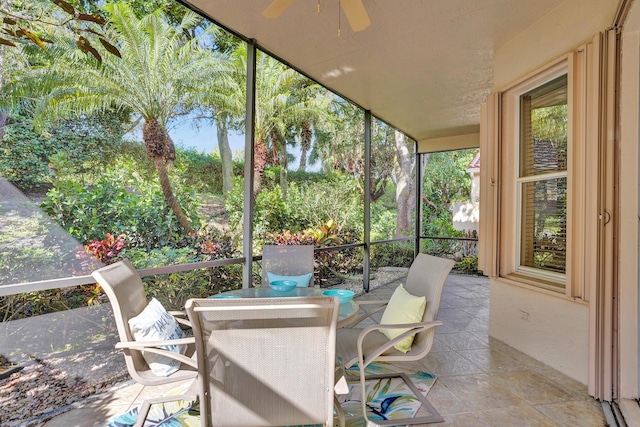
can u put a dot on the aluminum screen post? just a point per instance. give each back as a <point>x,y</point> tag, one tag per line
<point>367,200</point>
<point>247,219</point>
<point>418,209</point>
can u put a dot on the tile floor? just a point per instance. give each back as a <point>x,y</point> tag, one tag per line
<point>481,381</point>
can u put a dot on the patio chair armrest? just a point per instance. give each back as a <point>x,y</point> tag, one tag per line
<point>174,313</point>
<point>145,344</point>
<point>181,317</point>
<point>382,305</point>
<point>413,328</point>
<point>136,346</point>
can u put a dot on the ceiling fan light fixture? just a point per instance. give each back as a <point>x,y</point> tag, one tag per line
<point>354,10</point>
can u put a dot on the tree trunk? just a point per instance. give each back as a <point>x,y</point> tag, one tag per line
<point>225,153</point>
<point>259,163</point>
<point>161,150</point>
<point>305,144</point>
<point>3,121</point>
<point>273,157</point>
<point>167,191</point>
<point>404,188</point>
<point>284,179</point>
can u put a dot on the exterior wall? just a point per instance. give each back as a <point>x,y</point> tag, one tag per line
<point>571,24</point>
<point>549,328</point>
<point>629,210</point>
<point>465,216</point>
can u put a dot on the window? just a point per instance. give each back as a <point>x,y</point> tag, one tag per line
<point>542,181</point>
<point>537,207</point>
<point>547,178</point>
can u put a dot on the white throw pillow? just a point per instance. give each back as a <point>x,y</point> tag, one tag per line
<point>155,324</point>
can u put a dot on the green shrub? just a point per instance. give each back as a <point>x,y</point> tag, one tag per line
<point>468,265</point>
<point>307,205</point>
<point>81,147</point>
<point>174,289</point>
<point>383,222</point>
<point>318,202</point>
<point>398,254</point>
<point>109,206</point>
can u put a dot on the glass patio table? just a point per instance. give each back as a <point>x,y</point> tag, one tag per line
<point>348,310</point>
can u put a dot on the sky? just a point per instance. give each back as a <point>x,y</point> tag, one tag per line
<point>204,139</point>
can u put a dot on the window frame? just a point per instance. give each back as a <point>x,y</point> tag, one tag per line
<point>510,204</point>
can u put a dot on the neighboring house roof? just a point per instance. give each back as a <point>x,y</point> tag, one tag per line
<point>475,163</point>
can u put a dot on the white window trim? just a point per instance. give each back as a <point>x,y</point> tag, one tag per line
<point>511,206</point>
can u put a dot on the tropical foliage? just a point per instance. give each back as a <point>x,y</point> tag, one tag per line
<point>88,111</point>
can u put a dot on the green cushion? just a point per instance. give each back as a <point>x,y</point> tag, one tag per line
<point>402,308</point>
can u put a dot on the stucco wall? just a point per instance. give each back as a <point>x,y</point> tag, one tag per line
<point>550,329</point>
<point>571,24</point>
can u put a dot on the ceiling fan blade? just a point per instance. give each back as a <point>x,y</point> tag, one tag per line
<point>276,8</point>
<point>356,14</point>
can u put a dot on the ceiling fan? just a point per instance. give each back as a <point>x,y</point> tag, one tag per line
<point>353,9</point>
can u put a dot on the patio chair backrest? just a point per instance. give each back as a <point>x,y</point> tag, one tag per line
<point>287,260</point>
<point>124,288</point>
<point>426,277</point>
<point>265,362</point>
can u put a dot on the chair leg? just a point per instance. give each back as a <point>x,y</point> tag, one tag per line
<point>340,412</point>
<point>434,416</point>
<point>143,411</point>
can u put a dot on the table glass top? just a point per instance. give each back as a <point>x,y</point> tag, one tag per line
<point>347,310</point>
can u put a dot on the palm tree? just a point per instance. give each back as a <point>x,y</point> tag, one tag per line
<point>285,99</point>
<point>157,72</point>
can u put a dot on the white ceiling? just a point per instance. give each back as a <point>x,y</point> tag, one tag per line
<point>423,66</point>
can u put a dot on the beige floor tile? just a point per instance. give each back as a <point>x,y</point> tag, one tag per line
<point>445,401</point>
<point>439,345</point>
<point>480,392</point>
<point>449,313</point>
<point>462,341</point>
<point>444,304</point>
<point>448,363</point>
<point>458,324</point>
<point>467,419</point>
<point>493,360</point>
<point>534,388</point>
<point>581,413</point>
<point>127,394</point>
<point>482,336</point>
<point>518,415</point>
<point>479,326</point>
<point>571,386</point>
<point>478,311</point>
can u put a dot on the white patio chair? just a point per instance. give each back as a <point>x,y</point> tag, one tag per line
<point>363,346</point>
<point>125,290</point>
<point>264,362</point>
<point>287,261</point>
